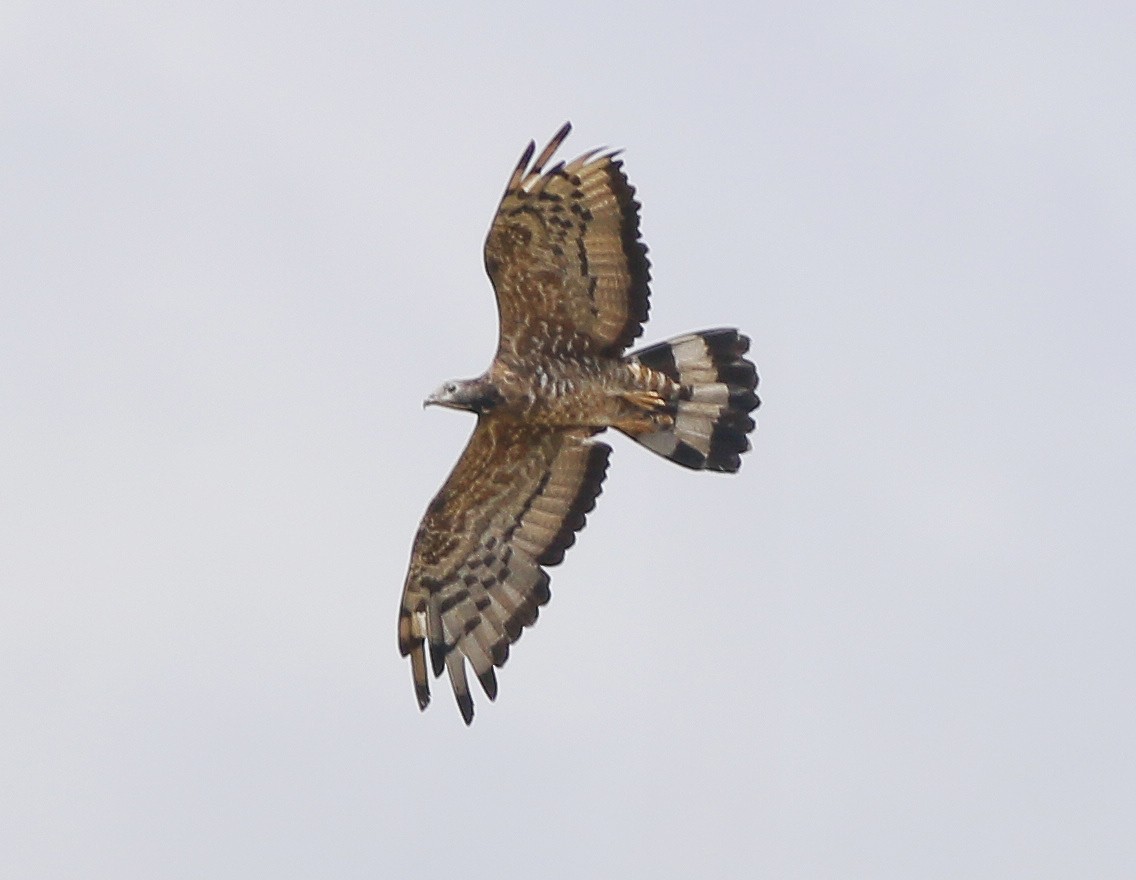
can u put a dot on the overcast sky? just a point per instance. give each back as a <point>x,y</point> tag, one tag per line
<point>239,243</point>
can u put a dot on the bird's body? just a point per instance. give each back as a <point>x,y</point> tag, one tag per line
<point>577,391</point>
<point>571,279</point>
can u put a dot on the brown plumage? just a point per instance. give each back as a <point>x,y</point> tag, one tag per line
<point>571,278</point>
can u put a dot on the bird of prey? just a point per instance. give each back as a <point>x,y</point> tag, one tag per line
<point>571,278</point>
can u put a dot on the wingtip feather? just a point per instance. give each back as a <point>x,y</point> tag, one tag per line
<point>519,172</point>
<point>488,681</point>
<point>418,674</point>
<point>455,665</point>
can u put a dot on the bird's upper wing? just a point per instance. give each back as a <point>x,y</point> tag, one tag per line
<point>513,503</point>
<point>564,249</point>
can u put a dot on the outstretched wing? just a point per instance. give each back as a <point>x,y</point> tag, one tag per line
<point>564,249</point>
<point>513,503</point>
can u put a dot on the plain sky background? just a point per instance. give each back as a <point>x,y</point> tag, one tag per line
<point>240,242</point>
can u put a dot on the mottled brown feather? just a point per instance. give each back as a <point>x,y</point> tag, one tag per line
<point>564,249</point>
<point>512,504</point>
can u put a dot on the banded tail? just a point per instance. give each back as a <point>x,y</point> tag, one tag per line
<point>711,412</point>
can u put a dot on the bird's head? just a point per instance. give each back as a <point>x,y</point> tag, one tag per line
<point>474,395</point>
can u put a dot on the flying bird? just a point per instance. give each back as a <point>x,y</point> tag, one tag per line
<point>571,278</point>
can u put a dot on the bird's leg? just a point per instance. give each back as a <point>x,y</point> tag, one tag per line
<point>651,401</point>
<point>648,414</point>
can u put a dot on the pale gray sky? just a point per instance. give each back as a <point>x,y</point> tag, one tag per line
<point>240,242</point>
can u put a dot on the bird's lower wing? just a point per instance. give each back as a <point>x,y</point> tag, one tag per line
<point>512,504</point>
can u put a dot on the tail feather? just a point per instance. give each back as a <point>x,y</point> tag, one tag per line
<point>717,393</point>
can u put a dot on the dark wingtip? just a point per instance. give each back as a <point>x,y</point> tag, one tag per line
<point>437,658</point>
<point>488,681</point>
<point>465,706</point>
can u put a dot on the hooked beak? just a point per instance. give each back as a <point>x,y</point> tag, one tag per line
<point>438,397</point>
<point>452,395</point>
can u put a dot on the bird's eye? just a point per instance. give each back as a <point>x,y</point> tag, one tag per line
<point>451,388</point>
